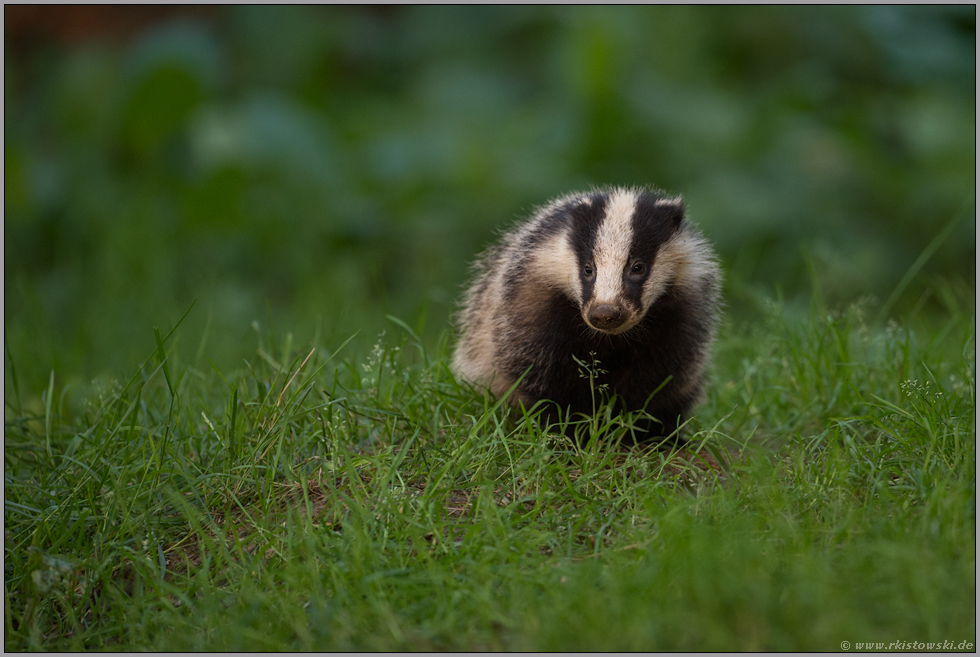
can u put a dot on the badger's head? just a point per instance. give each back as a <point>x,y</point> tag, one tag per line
<point>617,253</point>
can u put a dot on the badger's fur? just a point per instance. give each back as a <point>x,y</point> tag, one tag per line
<point>614,275</point>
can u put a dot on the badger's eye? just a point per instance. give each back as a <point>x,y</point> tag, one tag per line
<point>638,268</point>
<point>588,271</point>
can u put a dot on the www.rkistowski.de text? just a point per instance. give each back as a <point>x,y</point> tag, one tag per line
<point>908,645</point>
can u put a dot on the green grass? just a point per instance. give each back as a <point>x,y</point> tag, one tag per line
<point>313,500</point>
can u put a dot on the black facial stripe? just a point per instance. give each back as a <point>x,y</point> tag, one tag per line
<point>653,225</point>
<point>584,221</point>
<point>633,287</point>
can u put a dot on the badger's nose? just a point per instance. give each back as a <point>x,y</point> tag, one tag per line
<point>607,316</point>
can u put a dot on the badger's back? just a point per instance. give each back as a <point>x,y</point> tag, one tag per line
<point>614,277</point>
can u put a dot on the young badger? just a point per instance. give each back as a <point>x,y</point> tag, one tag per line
<point>615,272</point>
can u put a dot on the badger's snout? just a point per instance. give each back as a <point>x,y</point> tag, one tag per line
<point>607,316</point>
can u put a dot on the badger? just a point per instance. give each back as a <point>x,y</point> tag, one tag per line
<point>615,280</point>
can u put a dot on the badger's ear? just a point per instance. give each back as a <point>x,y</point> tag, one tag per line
<point>672,210</point>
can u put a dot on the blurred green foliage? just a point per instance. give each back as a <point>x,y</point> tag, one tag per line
<point>315,168</point>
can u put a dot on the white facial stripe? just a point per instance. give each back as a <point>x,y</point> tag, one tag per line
<point>669,258</point>
<point>612,245</point>
<point>686,260</point>
<point>556,265</point>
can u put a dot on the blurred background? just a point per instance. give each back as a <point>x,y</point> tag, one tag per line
<point>308,170</point>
